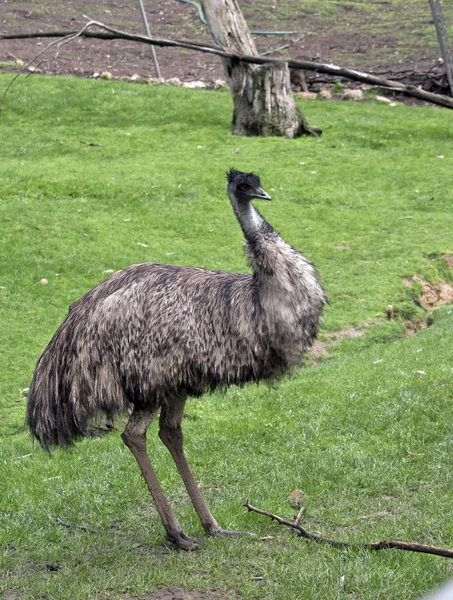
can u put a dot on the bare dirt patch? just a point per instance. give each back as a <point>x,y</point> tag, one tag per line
<point>386,38</point>
<point>319,348</point>
<point>449,260</point>
<point>433,294</point>
<point>179,594</point>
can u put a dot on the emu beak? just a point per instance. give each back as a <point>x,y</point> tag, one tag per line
<point>261,194</point>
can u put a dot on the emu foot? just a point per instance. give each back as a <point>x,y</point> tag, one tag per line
<point>230,532</point>
<point>182,540</point>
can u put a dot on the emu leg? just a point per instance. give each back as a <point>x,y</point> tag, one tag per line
<point>134,436</point>
<point>170,433</point>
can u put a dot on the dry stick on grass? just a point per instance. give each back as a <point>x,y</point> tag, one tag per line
<point>412,547</point>
<point>298,517</point>
<point>71,526</point>
<point>334,70</point>
<point>58,43</point>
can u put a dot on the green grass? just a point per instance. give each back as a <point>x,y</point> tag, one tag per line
<point>365,436</point>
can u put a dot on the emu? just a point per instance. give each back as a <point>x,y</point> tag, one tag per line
<point>151,335</point>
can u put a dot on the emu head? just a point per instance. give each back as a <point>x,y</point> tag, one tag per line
<point>243,187</point>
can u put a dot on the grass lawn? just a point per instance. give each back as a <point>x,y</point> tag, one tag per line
<point>365,434</point>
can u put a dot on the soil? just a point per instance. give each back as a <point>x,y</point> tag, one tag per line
<point>433,295</point>
<point>320,347</point>
<point>388,40</point>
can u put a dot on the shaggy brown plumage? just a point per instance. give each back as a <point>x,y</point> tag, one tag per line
<point>151,335</point>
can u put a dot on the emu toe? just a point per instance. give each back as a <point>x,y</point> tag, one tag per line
<point>182,540</point>
<point>231,532</point>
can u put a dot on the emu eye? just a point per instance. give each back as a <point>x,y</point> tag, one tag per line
<point>242,188</point>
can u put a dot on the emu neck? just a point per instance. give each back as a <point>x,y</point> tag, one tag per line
<point>252,223</point>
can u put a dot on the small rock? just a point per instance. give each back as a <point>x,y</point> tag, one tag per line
<point>194,85</point>
<point>220,83</point>
<point>383,99</point>
<point>156,81</point>
<point>174,81</point>
<point>307,95</point>
<point>325,93</point>
<point>354,94</point>
<point>106,75</point>
<point>134,77</point>
<point>43,281</point>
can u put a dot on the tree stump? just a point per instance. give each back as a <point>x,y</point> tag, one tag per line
<point>262,97</point>
<point>263,102</point>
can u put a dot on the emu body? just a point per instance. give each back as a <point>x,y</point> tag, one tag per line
<point>151,335</point>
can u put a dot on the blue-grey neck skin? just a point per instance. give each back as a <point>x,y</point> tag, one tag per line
<point>250,219</point>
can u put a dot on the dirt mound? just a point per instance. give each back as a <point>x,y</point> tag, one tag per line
<point>449,260</point>
<point>433,294</point>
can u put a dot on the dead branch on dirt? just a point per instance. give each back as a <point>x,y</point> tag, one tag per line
<point>112,33</point>
<point>397,545</point>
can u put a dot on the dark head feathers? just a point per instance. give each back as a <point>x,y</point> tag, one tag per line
<point>239,177</point>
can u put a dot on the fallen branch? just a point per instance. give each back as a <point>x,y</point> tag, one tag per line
<point>397,545</point>
<point>112,33</point>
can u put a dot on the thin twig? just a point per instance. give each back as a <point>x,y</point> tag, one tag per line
<point>298,517</point>
<point>71,526</point>
<point>279,49</point>
<point>397,545</point>
<point>301,530</point>
<point>66,39</point>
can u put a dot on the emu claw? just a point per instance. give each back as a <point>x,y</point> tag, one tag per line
<point>182,540</point>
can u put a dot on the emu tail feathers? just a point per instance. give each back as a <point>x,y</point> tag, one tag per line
<point>50,417</point>
<point>68,390</point>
